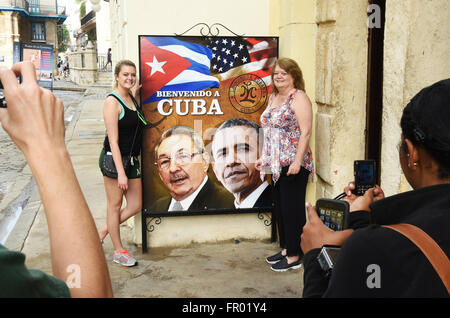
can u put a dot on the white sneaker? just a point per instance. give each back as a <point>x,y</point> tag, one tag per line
<point>124,258</point>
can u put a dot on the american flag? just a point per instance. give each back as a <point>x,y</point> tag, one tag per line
<point>234,56</point>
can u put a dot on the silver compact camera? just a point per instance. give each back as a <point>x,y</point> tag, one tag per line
<point>327,258</point>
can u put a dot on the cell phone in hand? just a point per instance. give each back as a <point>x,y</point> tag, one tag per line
<point>365,177</point>
<point>333,213</point>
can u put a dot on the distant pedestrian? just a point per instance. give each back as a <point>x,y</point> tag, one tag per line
<point>66,67</point>
<point>60,69</point>
<point>108,59</point>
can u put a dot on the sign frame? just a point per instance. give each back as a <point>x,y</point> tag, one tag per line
<point>150,218</point>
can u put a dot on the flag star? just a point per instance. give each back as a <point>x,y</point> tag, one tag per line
<point>223,49</point>
<point>156,66</point>
<point>241,46</point>
<point>217,42</point>
<point>225,61</point>
<point>224,41</point>
<point>233,42</point>
<point>214,66</point>
<point>213,55</point>
<point>215,48</point>
<point>228,52</point>
<point>244,59</point>
<point>235,55</point>
<point>218,58</point>
<point>231,64</point>
<point>220,69</point>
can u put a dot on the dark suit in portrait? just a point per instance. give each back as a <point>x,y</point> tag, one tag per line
<point>265,199</point>
<point>211,196</point>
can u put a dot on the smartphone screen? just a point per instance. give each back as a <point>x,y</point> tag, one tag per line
<point>333,213</point>
<point>364,171</point>
<point>334,219</point>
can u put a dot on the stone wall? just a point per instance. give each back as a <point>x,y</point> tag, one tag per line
<point>416,54</point>
<point>9,27</point>
<point>341,79</point>
<point>83,65</point>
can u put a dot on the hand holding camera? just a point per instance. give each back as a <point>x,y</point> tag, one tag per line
<point>364,190</point>
<point>316,234</point>
<point>34,118</point>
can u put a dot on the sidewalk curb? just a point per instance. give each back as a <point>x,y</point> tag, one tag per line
<point>19,233</point>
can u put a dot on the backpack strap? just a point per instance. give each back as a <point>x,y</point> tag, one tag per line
<point>429,248</point>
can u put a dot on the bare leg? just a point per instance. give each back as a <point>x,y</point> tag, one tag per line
<point>134,204</point>
<point>114,196</point>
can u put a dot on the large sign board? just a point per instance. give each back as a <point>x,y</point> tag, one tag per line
<point>191,86</point>
<point>41,55</point>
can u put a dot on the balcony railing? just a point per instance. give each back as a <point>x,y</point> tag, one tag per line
<point>88,17</point>
<point>34,9</point>
<point>23,4</point>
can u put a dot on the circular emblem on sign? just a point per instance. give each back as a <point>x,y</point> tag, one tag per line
<point>247,93</point>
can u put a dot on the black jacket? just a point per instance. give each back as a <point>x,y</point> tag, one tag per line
<point>265,199</point>
<point>404,271</point>
<point>211,196</point>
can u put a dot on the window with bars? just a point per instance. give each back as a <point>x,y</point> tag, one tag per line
<point>38,31</point>
<point>34,6</point>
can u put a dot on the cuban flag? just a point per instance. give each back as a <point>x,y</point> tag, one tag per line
<point>169,64</point>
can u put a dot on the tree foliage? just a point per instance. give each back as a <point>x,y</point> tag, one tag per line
<point>63,38</point>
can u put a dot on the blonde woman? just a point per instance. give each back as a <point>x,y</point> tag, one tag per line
<point>124,133</point>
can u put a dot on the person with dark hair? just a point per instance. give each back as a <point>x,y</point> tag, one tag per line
<point>182,163</point>
<point>124,124</point>
<point>287,123</point>
<point>108,59</point>
<point>375,260</point>
<point>34,120</point>
<point>236,149</point>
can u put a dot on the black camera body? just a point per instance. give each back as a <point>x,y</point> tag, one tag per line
<point>365,176</point>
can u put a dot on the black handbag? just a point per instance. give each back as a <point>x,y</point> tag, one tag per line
<point>109,167</point>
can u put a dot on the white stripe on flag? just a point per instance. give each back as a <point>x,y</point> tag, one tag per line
<point>185,52</point>
<point>263,45</point>
<point>189,76</point>
<point>247,68</point>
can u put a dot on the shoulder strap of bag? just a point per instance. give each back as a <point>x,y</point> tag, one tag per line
<point>429,248</point>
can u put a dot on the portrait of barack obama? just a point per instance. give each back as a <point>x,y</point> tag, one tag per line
<point>236,146</point>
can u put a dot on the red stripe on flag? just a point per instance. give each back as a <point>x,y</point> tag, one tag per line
<point>263,54</point>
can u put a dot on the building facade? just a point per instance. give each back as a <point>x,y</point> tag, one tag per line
<point>29,21</point>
